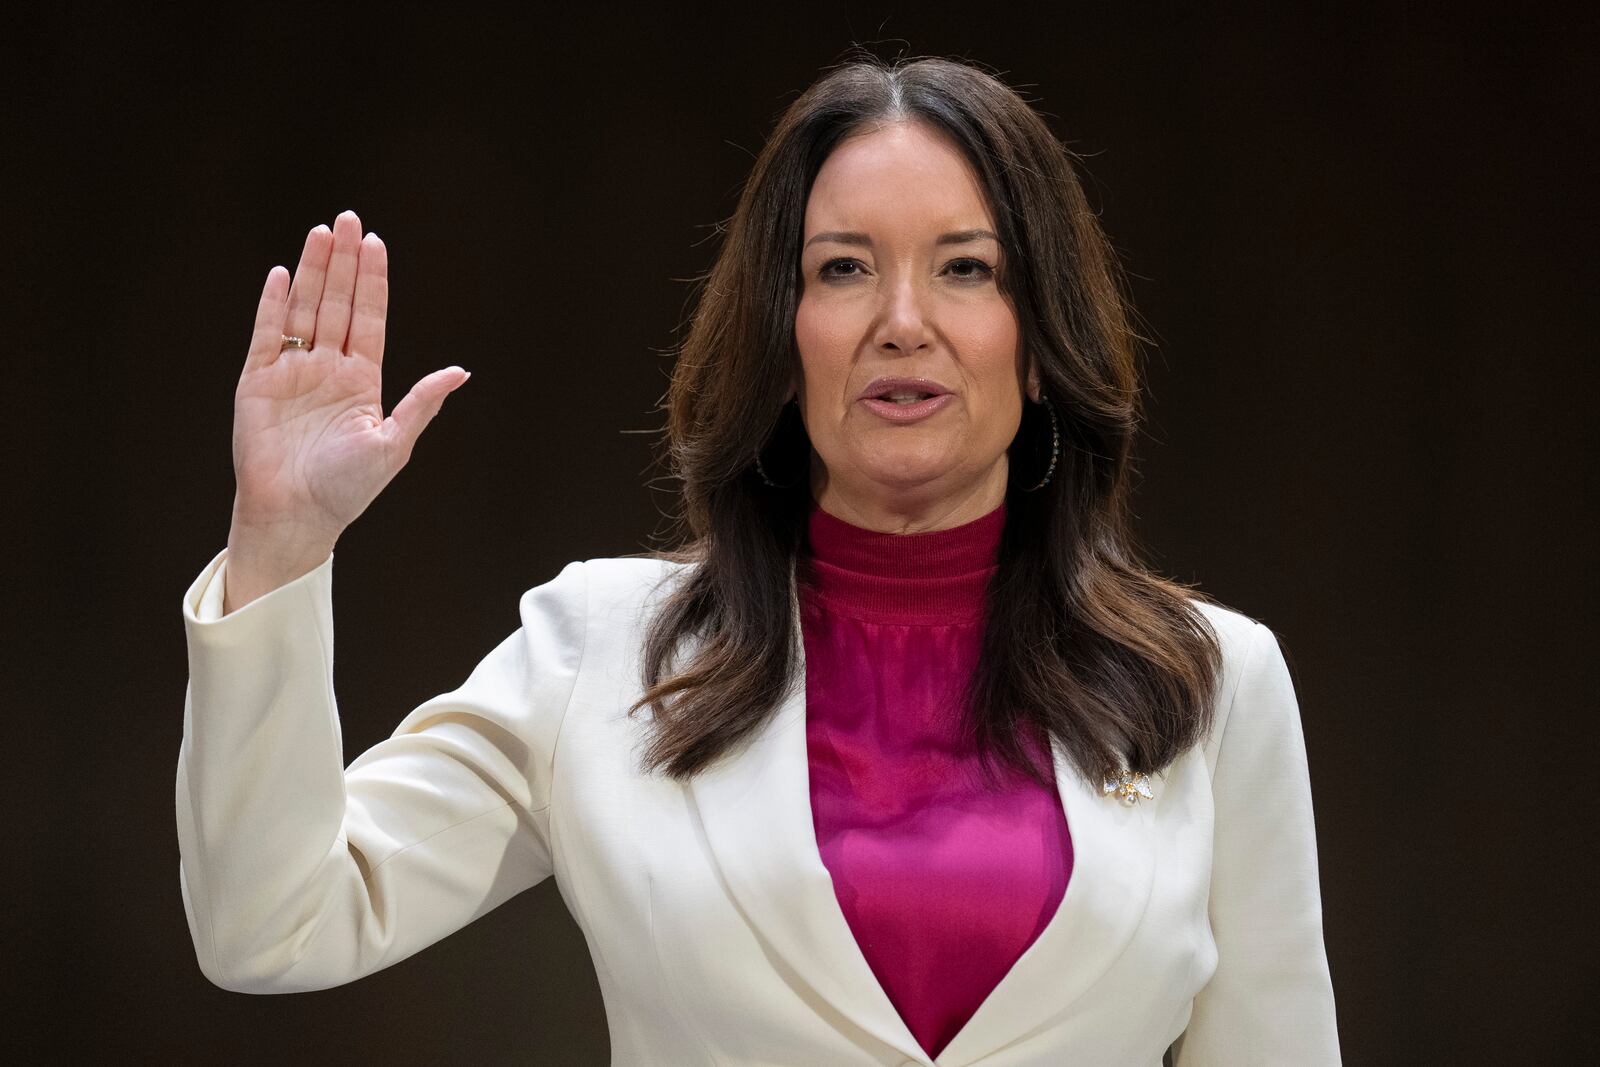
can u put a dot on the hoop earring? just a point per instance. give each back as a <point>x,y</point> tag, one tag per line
<point>1055,445</point>
<point>762,471</point>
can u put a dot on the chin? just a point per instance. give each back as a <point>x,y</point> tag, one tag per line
<point>905,476</point>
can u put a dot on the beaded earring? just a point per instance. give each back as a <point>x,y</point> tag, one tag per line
<point>1055,445</point>
<point>762,471</point>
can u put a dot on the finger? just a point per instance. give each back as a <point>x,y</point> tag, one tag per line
<point>412,415</point>
<point>371,308</point>
<point>266,340</point>
<point>307,289</point>
<point>333,314</point>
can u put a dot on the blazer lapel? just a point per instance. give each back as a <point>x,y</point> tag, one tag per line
<point>1112,870</point>
<point>756,810</point>
<point>755,806</point>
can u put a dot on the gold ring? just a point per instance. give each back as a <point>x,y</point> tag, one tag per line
<point>290,341</point>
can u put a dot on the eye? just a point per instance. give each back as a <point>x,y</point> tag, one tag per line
<point>970,269</point>
<point>964,269</point>
<point>827,270</point>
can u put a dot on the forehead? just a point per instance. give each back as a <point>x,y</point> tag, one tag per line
<point>902,177</point>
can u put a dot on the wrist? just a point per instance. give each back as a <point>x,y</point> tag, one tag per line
<point>257,566</point>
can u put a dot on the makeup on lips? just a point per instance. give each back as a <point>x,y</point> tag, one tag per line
<point>905,399</point>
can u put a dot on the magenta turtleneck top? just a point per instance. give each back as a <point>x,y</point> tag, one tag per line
<point>944,882</point>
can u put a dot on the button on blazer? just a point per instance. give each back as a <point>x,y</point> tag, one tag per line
<point>1192,919</point>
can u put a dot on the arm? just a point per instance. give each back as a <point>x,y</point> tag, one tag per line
<point>1270,1000</point>
<point>298,873</point>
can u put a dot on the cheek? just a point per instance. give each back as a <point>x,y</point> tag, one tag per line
<point>826,339</point>
<point>821,331</point>
<point>988,341</point>
<point>987,333</point>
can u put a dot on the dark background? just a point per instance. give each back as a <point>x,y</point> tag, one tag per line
<point>1359,244</point>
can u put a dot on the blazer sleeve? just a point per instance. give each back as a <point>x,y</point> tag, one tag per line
<point>1270,999</point>
<point>298,873</point>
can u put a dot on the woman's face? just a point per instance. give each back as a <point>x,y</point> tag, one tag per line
<point>900,270</point>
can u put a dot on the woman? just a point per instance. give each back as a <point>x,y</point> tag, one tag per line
<point>904,758</point>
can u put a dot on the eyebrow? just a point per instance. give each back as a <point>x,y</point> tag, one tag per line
<point>856,237</point>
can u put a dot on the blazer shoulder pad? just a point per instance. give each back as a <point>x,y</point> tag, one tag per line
<point>1239,636</point>
<point>627,584</point>
<point>1234,629</point>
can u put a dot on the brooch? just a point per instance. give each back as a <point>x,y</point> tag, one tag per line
<point>1127,786</point>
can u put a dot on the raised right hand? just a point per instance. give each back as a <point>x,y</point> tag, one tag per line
<point>311,446</point>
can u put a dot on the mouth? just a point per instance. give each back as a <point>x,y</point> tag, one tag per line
<point>905,400</point>
<point>903,392</point>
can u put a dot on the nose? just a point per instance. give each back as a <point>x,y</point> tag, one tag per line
<point>902,319</point>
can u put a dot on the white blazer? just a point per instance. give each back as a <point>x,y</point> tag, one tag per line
<point>1193,917</point>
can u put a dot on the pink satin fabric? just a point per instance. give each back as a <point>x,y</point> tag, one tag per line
<point>943,882</point>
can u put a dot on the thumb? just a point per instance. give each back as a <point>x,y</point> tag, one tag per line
<point>418,407</point>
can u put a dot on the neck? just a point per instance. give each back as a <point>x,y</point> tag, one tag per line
<point>920,508</point>
<point>935,576</point>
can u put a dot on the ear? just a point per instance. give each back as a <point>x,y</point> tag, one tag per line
<point>1033,384</point>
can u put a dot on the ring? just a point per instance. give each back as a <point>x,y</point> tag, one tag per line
<point>290,341</point>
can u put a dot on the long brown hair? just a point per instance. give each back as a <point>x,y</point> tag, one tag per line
<point>1083,643</point>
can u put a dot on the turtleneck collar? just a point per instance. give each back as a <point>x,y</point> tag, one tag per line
<point>939,576</point>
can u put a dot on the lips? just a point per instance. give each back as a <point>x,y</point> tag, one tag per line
<point>902,389</point>
<point>907,411</point>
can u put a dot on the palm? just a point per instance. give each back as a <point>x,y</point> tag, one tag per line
<point>308,428</point>
<point>311,445</point>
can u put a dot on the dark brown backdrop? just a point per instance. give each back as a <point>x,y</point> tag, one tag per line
<point>1359,242</point>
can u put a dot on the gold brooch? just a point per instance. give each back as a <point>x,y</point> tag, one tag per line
<point>1127,786</point>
